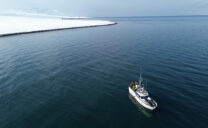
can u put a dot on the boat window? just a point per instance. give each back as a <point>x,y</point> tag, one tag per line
<point>144,97</point>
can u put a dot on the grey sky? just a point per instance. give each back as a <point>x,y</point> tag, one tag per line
<point>111,7</point>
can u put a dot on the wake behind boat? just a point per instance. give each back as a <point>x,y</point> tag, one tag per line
<point>136,89</point>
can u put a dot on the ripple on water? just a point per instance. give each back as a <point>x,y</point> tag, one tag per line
<point>65,78</point>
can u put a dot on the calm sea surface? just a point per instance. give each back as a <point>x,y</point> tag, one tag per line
<point>79,78</point>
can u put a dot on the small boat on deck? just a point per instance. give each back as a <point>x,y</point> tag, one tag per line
<point>137,90</point>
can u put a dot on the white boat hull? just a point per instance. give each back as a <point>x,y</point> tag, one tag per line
<point>140,100</point>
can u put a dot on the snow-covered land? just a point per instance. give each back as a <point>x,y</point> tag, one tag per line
<point>10,25</point>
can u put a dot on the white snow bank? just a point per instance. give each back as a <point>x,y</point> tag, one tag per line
<point>13,25</point>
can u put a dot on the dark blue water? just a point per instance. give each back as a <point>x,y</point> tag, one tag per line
<point>80,77</point>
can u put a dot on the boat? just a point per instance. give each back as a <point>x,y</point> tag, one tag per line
<point>137,90</point>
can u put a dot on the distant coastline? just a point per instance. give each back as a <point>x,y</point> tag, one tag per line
<point>58,29</point>
<point>20,25</point>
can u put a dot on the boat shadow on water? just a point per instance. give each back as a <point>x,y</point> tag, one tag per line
<point>141,109</point>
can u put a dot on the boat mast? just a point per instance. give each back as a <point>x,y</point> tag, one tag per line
<point>140,78</point>
<point>146,84</point>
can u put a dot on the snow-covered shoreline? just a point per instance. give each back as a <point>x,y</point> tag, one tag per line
<point>11,25</point>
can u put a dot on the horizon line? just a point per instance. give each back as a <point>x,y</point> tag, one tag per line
<point>149,16</point>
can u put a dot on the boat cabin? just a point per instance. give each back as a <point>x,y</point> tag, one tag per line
<point>141,92</point>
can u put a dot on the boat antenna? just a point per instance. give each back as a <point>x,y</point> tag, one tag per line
<point>140,77</point>
<point>146,84</point>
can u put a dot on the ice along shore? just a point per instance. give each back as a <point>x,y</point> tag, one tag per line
<point>13,25</point>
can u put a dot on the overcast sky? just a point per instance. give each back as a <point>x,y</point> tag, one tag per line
<point>111,7</point>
